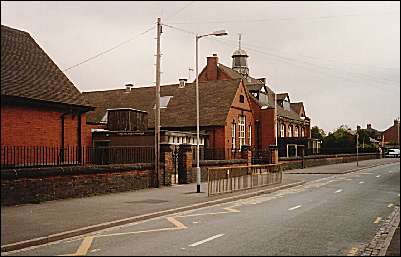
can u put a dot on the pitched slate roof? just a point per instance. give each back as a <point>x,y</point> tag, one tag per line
<point>287,113</point>
<point>28,72</point>
<point>253,83</point>
<point>297,107</point>
<point>281,96</point>
<point>215,99</point>
<point>236,75</point>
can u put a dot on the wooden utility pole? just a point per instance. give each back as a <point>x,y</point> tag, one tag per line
<point>157,112</point>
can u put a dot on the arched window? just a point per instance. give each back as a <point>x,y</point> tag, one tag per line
<point>290,131</point>
<point>250,135</point>
<point>282,130</point>
<point>233,127</point>
<point>241,130</point>
<point>296,131</point>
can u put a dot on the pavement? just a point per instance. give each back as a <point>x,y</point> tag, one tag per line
<point>33,224</point>
<point>341,167</point>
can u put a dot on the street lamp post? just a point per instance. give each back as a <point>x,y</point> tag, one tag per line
<point>357,148</point>
<point>198,171</point>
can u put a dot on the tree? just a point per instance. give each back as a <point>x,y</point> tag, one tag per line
<point>317,133</point>
<point>340,141</point>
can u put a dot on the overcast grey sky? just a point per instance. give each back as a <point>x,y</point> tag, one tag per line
<point>342,59</point>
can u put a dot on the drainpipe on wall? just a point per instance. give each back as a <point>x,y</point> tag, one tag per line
<point>79,139</point>
<point>62,138</point>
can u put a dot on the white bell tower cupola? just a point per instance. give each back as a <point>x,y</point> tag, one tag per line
<point>240,63</point>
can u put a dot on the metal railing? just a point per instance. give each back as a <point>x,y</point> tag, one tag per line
<point>217,154</point>
<point>231,179</point>
<point>261,156</point>
<point>39,156</point>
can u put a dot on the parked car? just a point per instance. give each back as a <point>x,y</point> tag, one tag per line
<point>393,153</point>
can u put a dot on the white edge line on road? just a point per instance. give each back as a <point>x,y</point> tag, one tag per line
<point>295,207</point>
<point>338,191</point>
<point>206,240</point>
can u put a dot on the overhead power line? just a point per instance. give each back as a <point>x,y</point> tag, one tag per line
<point>307,62</point>
<point>180,29</point>
<point>180,10</point>
<point>286,18</point>
<point>294,61</point>
<point>316,68</point>
<point>109,50</point>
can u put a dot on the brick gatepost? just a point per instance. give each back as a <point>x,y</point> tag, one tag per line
<point>274,154</point>
<point>166,154</point>
<point>249,157</point>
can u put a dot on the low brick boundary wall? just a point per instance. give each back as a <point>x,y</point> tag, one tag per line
<point>319,160</point>
<point>35,185</point>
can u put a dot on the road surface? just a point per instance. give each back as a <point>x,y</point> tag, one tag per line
<point>333,215</point>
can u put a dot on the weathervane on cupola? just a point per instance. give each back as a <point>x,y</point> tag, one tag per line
<point>240,63</point>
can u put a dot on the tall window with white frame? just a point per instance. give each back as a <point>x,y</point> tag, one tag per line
<point>282,130</point>
<point>250,135</point>
<point>241,128</point>
<point>296,131</point>
<point>233,127</point>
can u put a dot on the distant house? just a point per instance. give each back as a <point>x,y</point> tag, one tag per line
<point>40,106</point>
<point>293,126</point>
<point>391,136</point>
<point>225,112</point>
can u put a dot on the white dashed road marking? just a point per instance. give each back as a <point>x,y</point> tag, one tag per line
<point>206,240</point>
<point>295,207</point>
<point>378,219</point>
<point>390,205</point>
<point>378,176</point>
<point>361,182</point>
<point>339,191</point>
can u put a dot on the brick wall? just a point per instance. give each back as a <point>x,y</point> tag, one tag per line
<point>267,128</point>
<point>392,134</point>
<point>211,71</point>
<point>237,109</point>
<point>36,126</point>
<point>37,185</point>
<point>312,161</point>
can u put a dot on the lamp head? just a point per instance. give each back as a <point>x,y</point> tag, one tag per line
<point>219,33</point>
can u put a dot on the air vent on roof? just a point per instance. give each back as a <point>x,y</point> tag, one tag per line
<point>182,83</point>
<point>128,87</point>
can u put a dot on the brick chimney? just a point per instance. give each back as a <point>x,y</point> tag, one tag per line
<point>396,122</point>
<point>211,68</point>
<point>369,126</point>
